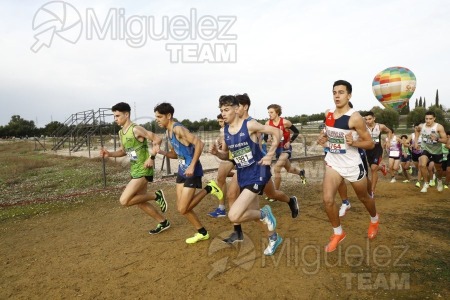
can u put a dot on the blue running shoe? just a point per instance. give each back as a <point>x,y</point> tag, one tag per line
<point>269,218</point>
<point>218,213</point>
<point>273,245</point>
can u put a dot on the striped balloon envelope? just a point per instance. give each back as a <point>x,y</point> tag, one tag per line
<point>394,86</point>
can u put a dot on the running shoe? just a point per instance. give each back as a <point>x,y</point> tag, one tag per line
<point>432,182</point>
<point>400,170</point>
<point>218,213</point>
<point>161,200</point>
<point>440,186</point>
<point>302,176</point>
<point>425,188</point>
<point>445,186</point>
<point>410,170</point>
<point>293,205</point>
<point>269,218</point>
<point>197,237</point>
<point>268,199</point>
<point>383,169</point>
<point>335,239</point>
<point>373,230</point>
<point>273,245</point>
<point>215,189</point>
<point>344,208</point>
<point>234,237</point>
<point>418,184</point>
<point>406,181</point>
<point>393,180</point>
<point>160,227</point>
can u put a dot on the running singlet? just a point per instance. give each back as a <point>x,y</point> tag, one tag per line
<point>340,154</point>
<point>136,151</point>
<point>428,144</point>
<point>246,154</point>
<point>394,147</point>
<point>285,133</point>
<point>185,154</point>
<point>375,133</point>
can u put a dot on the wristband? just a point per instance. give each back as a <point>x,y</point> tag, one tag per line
<point>152,157</point>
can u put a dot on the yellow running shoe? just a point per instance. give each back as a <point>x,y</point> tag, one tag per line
<point>215,189</point>
<point>197,237</point>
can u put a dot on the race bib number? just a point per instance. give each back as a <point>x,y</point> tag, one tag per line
<point>243,157</point>
<point>394,153</point>
<point>376,139</point>
<point>181,161</point>
<point>337,145</point>
<point>132,155</point>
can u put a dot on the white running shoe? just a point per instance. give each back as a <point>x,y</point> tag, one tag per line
<point>344,208</point>
<point>393,180</point>
<point>440,186</point>
<point>425,188</point>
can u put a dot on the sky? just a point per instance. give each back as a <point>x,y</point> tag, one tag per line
<point>283,52</point>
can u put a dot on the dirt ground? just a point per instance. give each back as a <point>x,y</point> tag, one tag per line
<point>100,250</point>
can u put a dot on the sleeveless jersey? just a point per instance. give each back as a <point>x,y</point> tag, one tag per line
<point>428,144</point>
<point>246,154</point>
<point>394,147</point>
<point>185,155</point>
<point>285,133</point>
<point>136,151</point>
<point>340,154</point>
<point>375,133</point>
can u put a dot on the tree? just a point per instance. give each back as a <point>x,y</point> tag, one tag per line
<point>19,127</point>
<point>420,101</point>
<point>416,116</point>
<point>387,116</point>
<point>424,103</point>
<point>417,104</point>
<point>437,98</point>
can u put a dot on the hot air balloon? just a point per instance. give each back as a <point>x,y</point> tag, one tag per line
<point>394,86</point>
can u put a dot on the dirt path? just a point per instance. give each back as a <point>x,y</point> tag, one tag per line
<point>99,250</point>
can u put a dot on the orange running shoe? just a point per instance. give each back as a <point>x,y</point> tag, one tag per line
<point>383,169</point>
<point>373,230</point>
<point>335,239</point>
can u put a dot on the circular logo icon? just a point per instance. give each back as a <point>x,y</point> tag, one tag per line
<point>56,18</point>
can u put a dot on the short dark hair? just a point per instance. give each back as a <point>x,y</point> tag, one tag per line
<point>243,99</point>
<point>430,113</point>
<point>122,107</point>
<point>228,100</point>
<point>370,113</point>
<point>347,85</point>
<point>404,136</point>
<point>417,124</point>
<point>350,104</point>
<point>164,108</point>
<point>219,116</point>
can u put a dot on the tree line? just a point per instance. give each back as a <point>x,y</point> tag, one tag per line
<point>21,128</point>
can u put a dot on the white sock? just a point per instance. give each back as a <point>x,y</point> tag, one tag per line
<point>374,219</point>
<point>222,207</point>
<point>337,230</point>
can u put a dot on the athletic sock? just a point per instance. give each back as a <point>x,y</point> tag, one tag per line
<point>222,207</point>
<point>202,231</point>
<point>337,230</point>
<point>345,201</point>
<point>374,219</point>
<point>273,237</point>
